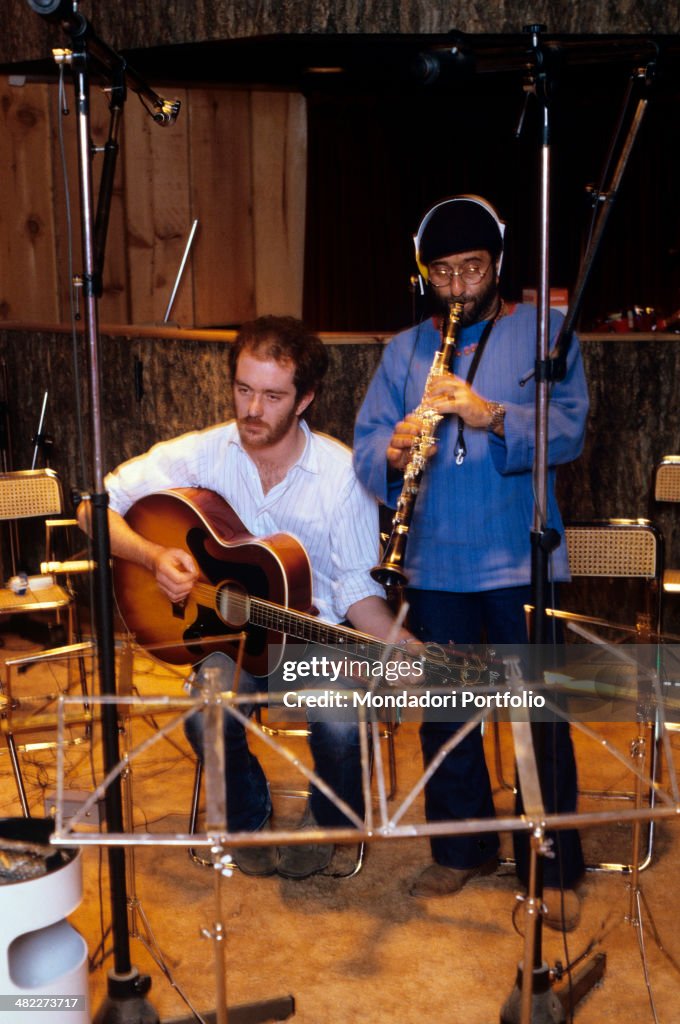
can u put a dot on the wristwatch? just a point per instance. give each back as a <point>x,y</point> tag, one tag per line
<point>497,413</point>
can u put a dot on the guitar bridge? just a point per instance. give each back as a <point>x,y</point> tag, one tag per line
<point>178,608</point>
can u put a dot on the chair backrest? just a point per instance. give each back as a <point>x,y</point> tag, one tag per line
<point>30,492</point>
<point>667,479</point>
<point>629,549</point>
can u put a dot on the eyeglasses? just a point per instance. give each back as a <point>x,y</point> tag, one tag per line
<point>472,272</point>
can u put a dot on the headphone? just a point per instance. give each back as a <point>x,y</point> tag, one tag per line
<point>487,207</point>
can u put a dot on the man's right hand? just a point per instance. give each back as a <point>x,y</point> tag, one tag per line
<point>402,439</point>
<point>175,572</point>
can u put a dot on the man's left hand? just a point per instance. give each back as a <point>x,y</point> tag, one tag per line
<point>450,395</point>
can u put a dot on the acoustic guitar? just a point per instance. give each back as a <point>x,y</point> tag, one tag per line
<point>260,587</point>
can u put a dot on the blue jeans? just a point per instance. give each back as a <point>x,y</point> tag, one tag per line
<point>335,750</point>
<point>460,788</point>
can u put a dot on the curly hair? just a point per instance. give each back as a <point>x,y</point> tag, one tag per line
<point>284,339</point>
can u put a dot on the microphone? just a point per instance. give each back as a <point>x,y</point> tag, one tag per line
<point>62,11</point>
<point>54,10</point>
<point>443,61</point>
<point>163,112</point>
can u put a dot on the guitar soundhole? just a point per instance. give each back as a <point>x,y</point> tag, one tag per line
<point>233,605</point>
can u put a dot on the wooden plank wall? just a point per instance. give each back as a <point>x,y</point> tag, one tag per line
<point>28,278</point>
<point>235,159</point>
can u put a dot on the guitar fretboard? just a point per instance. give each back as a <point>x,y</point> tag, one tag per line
<point>312,630</point>
<point>447,670</point>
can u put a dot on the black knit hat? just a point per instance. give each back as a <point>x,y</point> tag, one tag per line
<point>460,224</point>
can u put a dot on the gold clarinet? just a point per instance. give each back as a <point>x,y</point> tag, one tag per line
<point>390,570</point>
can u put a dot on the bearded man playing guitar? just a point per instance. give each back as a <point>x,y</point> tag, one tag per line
<point>279,477</point>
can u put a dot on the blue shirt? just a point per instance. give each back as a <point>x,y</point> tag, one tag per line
<point>471,528</point>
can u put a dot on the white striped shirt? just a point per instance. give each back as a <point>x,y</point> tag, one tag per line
<point>319,501</point>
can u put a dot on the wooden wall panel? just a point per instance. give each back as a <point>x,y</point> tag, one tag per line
<point>67,218</point>
<point>234,160</point>
<point>222,198</point>
<point>28,284</point>
<point>114,306</point>
<point>279,190</point>
<point>158,213</point>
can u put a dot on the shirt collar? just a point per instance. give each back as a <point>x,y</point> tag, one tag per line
<point>309,459</point>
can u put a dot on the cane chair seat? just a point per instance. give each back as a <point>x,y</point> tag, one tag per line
<point>47,598</point>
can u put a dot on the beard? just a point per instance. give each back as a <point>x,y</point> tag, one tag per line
<point>255,433</point>
<point>480,306</point>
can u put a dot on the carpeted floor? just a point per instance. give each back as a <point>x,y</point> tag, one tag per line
<point>356,949</point>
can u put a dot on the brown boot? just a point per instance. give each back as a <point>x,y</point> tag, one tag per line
<point>438,880</point>
<point>307,859</point>
<point>258,861</point>
<point>562,909</point>
<point>302,861</point>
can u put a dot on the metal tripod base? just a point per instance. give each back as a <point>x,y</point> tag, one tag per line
<point>545,1006</point>
<point>126,1001</point>
<point>553,1004</point>
<point>571,992</point>
<point>248,1013</point>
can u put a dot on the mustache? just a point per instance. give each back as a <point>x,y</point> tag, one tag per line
<point>443,301</point>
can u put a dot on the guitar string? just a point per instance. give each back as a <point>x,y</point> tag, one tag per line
<point>274,616</point>
<point>282,620</point>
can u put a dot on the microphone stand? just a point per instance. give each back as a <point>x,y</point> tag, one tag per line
<point>126,1001</point>
<point>127,988</point>
<point>603,201</point>
<point>532,997</point>
<point>536,1002</point>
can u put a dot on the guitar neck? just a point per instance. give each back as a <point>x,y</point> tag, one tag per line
<point>306,627</point>
<point>442,668</point>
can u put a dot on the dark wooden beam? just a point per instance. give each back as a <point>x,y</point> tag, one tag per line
<point>24,35</point>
